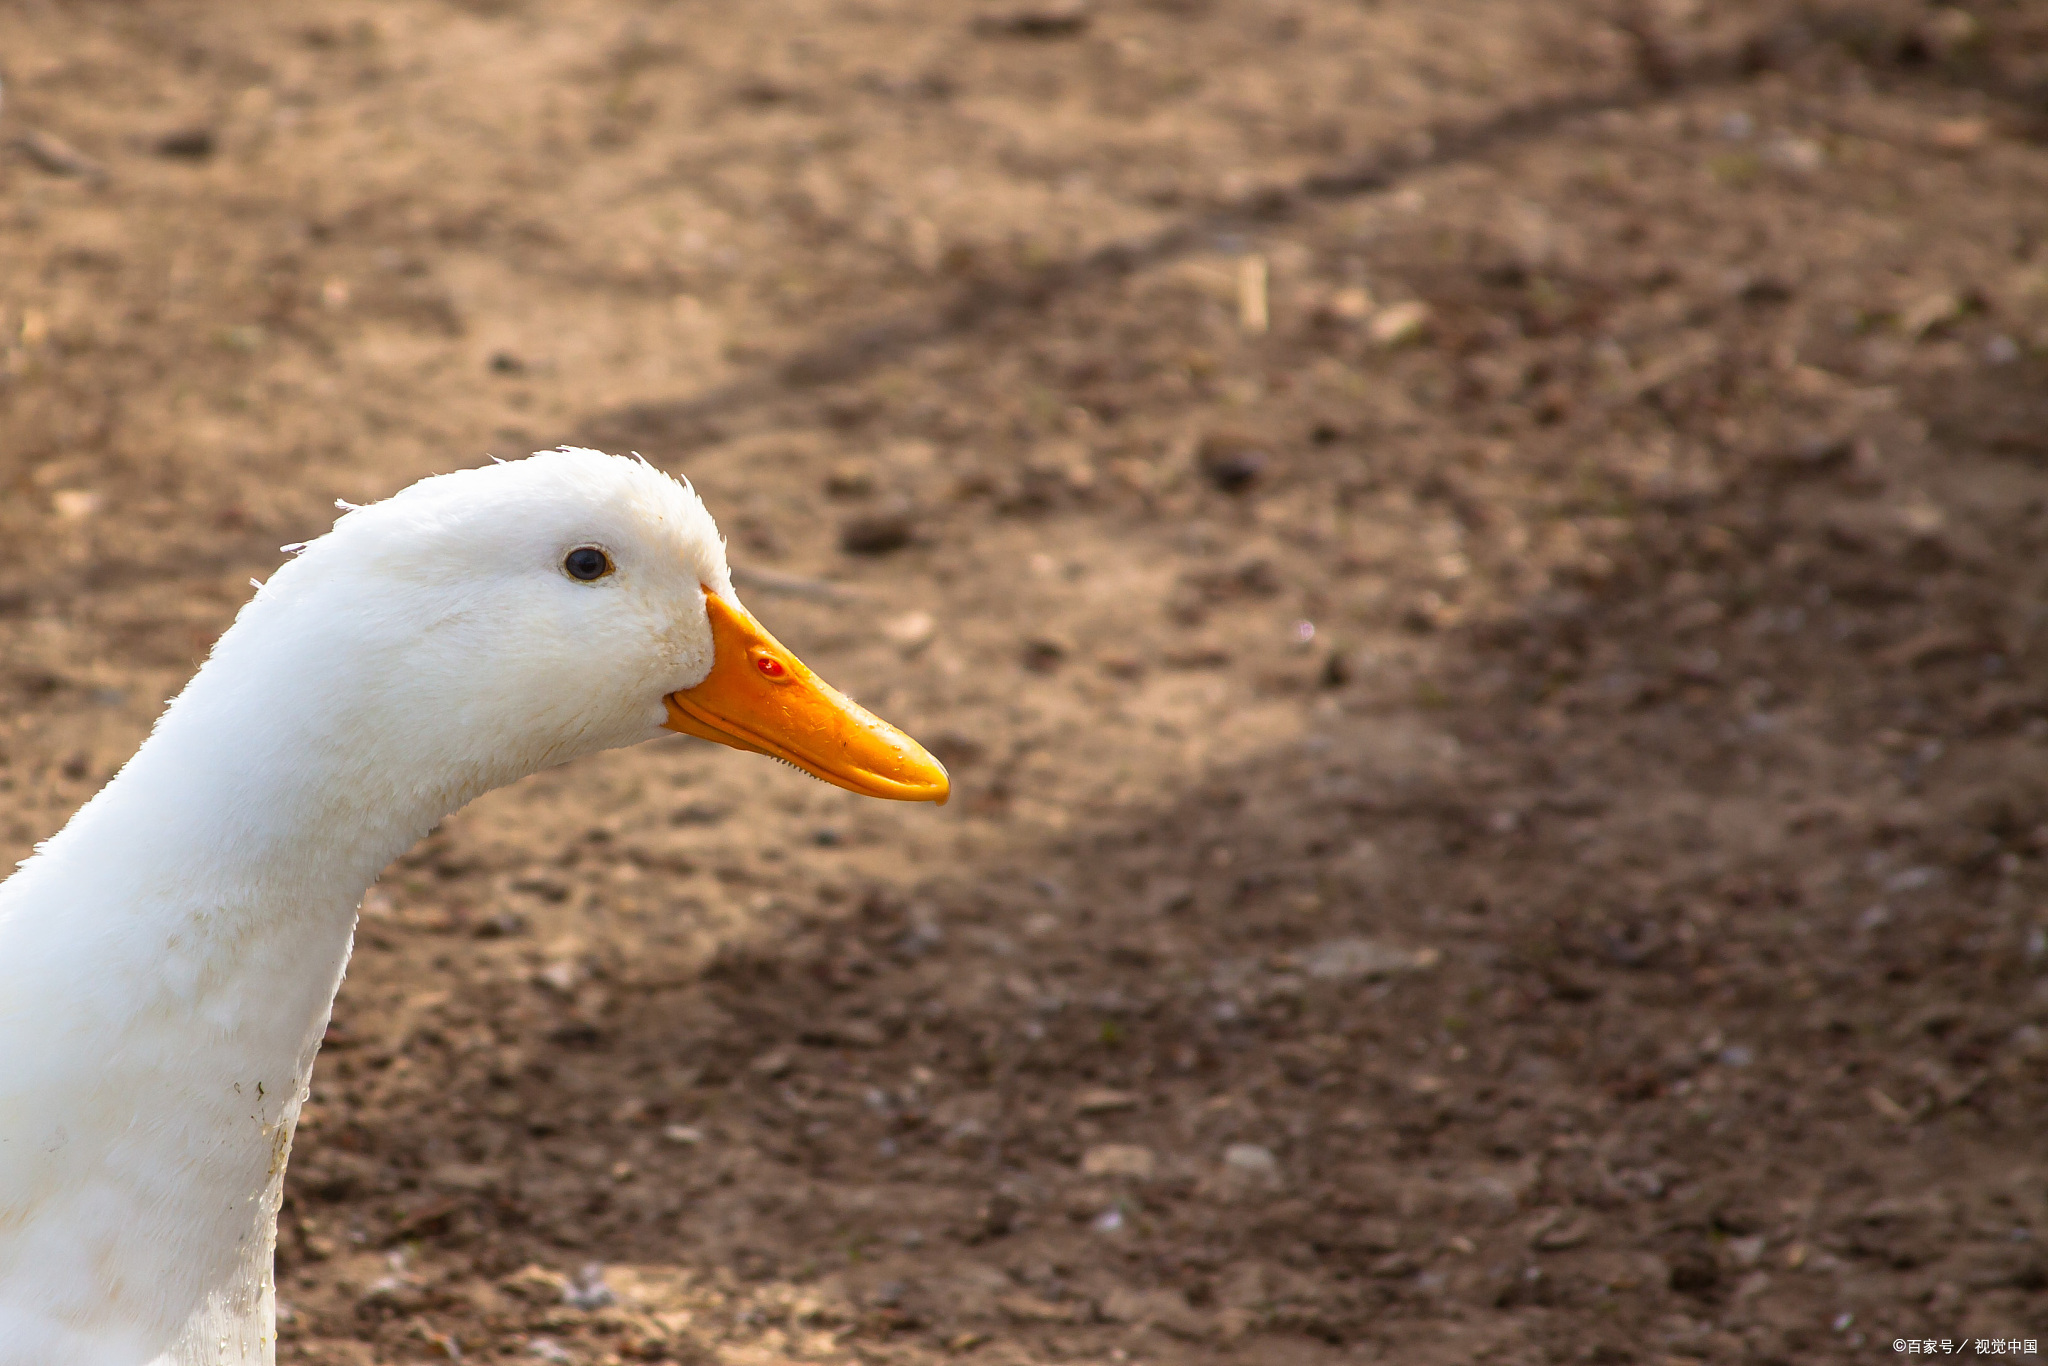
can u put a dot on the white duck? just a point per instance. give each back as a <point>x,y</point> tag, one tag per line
<point>168,960</point>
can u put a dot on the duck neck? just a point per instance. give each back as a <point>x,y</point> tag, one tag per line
<point>230,826</point>
<point>182,940</point>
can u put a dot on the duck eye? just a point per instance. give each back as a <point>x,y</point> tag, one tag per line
<point>587,562</point>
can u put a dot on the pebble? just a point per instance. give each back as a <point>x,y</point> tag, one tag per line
<point>1803,156</point>
<point>396,1291</point>
<point>588,1290</point>
<point>1054,19</point>
<point>1119,1160</point>
<point>1563,1234</point>
<point>1694,1273</point>
<point>503,925</point>
<point>188,144</point>
<point>847,1034</point>
<point>1043,654</point>
<point>1233,463</point>
<point>57,156</point>
<point>1960,135</point>
<point>1345,960</point>
<point>910,630</point>
<point>683,1135</point>
<point>1931,313</point>
<point>1948,30</point>
<point>1349,306</point>
<point>1399,324</point>
<point>1026,1308</point>
<point>877,533</point>
<point>1393,1266</point>
<point>562,975</point>
<point>466,1176</point>
<point>999,1215</point>
<point>850,479</point>
<point>75,505</point>
<point>1248,1166</point>
<point>1097,1100</point>
<point>535,1284</point>
<point>2029,1041</point>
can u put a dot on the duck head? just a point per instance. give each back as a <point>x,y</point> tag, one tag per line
<point>577,601</point>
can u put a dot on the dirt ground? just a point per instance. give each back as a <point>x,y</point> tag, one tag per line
<point>1474,563</point>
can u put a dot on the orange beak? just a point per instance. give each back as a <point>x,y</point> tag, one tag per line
<point>760,697</point>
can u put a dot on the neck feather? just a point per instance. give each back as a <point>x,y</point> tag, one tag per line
<point>168,962</point>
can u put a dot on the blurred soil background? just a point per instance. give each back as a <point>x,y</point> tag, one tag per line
<point>1478,565</point>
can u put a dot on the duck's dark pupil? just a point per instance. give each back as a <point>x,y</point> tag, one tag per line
<point>585,563</point>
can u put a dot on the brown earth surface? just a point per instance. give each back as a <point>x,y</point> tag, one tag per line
<point>1475,564</point>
